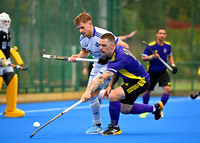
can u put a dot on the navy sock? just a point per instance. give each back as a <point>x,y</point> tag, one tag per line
<point>114,109</point>
<point>164,98</point>
<point>141,108</point>
<point>146,98</point>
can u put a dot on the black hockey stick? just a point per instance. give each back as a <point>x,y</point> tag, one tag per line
<point>170,68</point>
<point>194,96</point>
<point>54,57</point>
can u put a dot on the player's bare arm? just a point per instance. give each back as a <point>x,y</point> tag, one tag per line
<point>82,54</point>
<point>124,37</point>
<point>95,85</point>
<point>150,57</point>
<point>171,59</point>
<point>113,80</point>
<point>122,43</point>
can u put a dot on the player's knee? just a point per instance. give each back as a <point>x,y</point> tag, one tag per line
<point>148,92</point>
<point>113,98</point>
<point>125,111</point>
<point>126,108</point>
<point>167,89</point>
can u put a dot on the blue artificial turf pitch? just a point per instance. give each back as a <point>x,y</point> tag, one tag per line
<point>181,124</point>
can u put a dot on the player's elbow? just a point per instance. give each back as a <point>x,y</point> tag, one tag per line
<point>127,46</point>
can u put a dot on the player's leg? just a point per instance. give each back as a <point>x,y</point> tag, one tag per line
<point>96,128</point>
<point>146,95</point>
<point>1,82</point>
<point>11,80</point>
<point>137,108</point>
<point>145,98</point>
<point>132,91</point>
<point>166,94</point>
<point>153,82</point>
<point>126,106</point>
<point>114,110</point>
<point>166,84</point>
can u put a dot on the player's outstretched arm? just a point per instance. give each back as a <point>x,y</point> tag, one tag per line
<point>82,54</point>
<point>95,85</point>
<point>122,43</point>
<point>124,37</point>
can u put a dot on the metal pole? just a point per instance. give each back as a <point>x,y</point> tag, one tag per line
<point>63,44</point>
<point>192,44</point>
<point>41,43</point>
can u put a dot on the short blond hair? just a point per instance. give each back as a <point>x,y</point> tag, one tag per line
<point>82,17</point>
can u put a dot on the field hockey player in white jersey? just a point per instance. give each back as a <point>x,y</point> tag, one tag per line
<point>89,41</point>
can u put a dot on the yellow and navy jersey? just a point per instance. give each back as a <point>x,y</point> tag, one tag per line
<point>125,65</point>
<point>164,51</point>
<point>4,43</point>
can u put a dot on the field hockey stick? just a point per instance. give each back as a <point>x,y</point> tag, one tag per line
<point>195,96</point>
<point>170,68</point>
<point>14,66</point>
<point>18,67</point>
<point>54,57</point>
<point>66,110</point>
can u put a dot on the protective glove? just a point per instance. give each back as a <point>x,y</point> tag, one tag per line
<point>103,60</point>
<point>175,69</point>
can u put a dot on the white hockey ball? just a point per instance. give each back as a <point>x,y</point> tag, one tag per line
<point>36,124</point>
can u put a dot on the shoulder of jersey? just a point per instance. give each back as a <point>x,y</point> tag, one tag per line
<point>152,43</point>
<point>168,43</point>
<point>100,30</point>
<point>81,38</point>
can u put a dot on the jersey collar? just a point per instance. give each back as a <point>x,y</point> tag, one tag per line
<point>94,32</point>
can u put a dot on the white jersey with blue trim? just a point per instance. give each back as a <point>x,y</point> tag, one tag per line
<point>92,44</point>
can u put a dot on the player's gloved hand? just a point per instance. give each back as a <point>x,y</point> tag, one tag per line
<point>103,60</point>
<point>175,69</point>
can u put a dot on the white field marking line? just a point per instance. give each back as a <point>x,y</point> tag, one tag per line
<point>103,105</point>
<point>57,109</point>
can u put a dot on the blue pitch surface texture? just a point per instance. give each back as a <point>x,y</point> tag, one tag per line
<point>181,124</point>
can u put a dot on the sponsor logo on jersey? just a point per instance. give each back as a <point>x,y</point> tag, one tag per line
<point>97,44</point>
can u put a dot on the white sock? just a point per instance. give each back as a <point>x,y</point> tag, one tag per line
<point>154,109</point>
<point>101,94</point>
<point>95,108</point>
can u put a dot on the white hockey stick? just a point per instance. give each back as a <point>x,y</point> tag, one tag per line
<point>54,57</point>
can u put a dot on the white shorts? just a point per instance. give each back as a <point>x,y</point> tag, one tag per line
<point>6,69</point>
<point>97,71</point>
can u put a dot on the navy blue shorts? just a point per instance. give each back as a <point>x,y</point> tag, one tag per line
<point>133,90</point>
